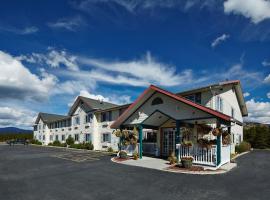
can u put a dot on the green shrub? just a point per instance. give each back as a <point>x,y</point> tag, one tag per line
<point>70,140</point>
<point>88,145</point>
<point>36,142</point>
<point>110,149</point>
<point>123,154</point>
<point>50,144</point>
<point>242,147</point>
<point>56,143</point>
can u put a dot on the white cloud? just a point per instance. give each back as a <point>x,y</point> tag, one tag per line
<point>258,111</point>
<point>70,24</point>
<point>52,58</point>
<point>219,40</point>
<point>237,71</point>
<point>17,82</point>
<point>267,79</point>
<point>29,30</point>
<point>140,72</point>
<point>265,63</point>
<point>134,6</point>
<point>246,94</point>
<point>268,95</point>
<point>256,10</point>
<point>23,31</point>
<point>16,117</point>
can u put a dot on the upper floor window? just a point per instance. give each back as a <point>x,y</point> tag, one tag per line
<point>88,118</point>
<point>106,116</point>
<point>39,127</point>
<point>196,98</point>
<point>157,101</point>
<point>219,103</point>
<point>44,126</point>
<point>77,120</point>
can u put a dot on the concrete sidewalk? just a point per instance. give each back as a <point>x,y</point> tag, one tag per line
<point>161,164</point>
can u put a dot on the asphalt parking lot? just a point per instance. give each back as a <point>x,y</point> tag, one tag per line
<point>33,173</point>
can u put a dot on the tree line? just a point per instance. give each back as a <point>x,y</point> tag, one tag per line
<point>12,136</point>
<point>258,136</point>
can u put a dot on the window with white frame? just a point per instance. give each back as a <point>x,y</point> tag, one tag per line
<point>88,118</point>
<point>43,137</point>
<point>77,120</point>
<point>56,138</point>
<point>76,137</point>
<point>63,137</point>
<point>219,104</point>
<point>106,137</point>
<point>51,137</point>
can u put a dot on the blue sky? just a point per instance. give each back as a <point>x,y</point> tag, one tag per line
<point>52,51</point>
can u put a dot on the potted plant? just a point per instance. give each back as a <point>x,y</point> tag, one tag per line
<point>172,159</point>
<point>123,154</point>
<point>135,155</point>
<point>187,161</point>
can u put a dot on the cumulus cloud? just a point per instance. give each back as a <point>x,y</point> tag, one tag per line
<point>256,10</point>
<point>70,24</point>
<point>219,40</point>
<point>246,94</point>
<point>268,95</point>
<point>258,111</point>
<point>267,79</point>
<point>52,58</point>
<point>17,82</point>
<point>16,117</point>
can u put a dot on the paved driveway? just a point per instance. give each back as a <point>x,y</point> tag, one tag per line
<point>35,173</point>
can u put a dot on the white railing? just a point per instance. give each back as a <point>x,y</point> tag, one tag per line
<point>201,155</point>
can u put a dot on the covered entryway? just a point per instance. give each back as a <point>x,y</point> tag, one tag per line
<point>177,121</point>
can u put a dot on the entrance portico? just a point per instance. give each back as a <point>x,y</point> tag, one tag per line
<point>174,116</point>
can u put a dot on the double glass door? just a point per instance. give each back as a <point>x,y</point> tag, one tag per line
<point>168,141</point>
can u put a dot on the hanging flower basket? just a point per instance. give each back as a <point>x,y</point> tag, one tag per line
<point>216,132</point>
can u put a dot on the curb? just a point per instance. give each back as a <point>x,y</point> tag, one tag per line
<point>241,154</point>
<point>68,148</point>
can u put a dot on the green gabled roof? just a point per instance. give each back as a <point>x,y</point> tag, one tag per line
<point>91,104</point>
<point>47,117</point>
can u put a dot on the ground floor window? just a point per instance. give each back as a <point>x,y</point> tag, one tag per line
<point>106,137</point>
<point>43,137</point>
<point>87,137</point>
<point>56,138</point>
<point>76,137</point>
<point>39,137</point>
<point>63,137</point>
<point>51,137</point>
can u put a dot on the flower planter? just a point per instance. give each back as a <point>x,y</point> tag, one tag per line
<point>187,162</point>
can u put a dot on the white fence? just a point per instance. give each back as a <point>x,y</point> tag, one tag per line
<point>225,154</point>
<point>201,155</point>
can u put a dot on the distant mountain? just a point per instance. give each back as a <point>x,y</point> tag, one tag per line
<point>254,124</point>
<point>14,130</point>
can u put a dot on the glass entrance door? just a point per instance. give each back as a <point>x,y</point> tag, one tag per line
<point>168,141</point>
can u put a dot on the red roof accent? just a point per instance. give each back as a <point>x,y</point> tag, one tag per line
<point>179,98</point>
